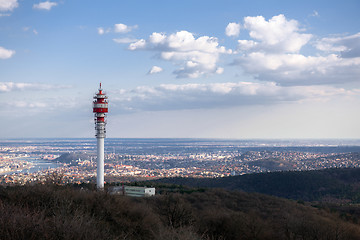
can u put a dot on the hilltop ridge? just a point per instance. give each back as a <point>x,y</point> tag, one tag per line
<point>317,185</point>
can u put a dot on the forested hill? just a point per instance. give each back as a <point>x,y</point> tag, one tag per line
<point>319,185</point>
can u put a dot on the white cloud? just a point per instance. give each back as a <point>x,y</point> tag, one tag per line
<point>348,46</point>
<point>101,30</point>
<point>139,44</point>
<point>5,53</point>
<point>118,28</point>
<point>157,38</point>
<point>125,40</point>
<point>13,86</point>
<point>297,69</point>
<point>219,70</point>
<point>45,5</point>
<point>217,95</point>
<point>8,5</point>
<point>232,29</point>
<point>273,54</point>
<point>195,56</point>
<point>122,28</point>
<point>155,69</point>
<point>275,35</point>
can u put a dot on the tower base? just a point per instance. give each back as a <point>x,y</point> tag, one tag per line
<point>100,163</point>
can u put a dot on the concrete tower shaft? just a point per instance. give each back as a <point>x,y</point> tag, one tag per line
<point>100,109</point>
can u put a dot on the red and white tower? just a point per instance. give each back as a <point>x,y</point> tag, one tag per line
<point>100,110</point>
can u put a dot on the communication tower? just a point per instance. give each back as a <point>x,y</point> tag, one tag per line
<point>100,109</point>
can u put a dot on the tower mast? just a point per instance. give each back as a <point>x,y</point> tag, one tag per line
<point>100,109</point>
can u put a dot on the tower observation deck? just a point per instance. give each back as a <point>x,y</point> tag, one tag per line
<point>100,109</point>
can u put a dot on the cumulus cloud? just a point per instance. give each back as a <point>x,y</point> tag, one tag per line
<point>122,28</point>
<point>6,53</point>
<point>8,5</point>
<point>155,69</point>
<point>276,35</point>
<point>194,57</point>
<point>232,29</point>
<point>216,95</point>
<point>273,54</point>
<point>12,86</point>
<point>45,5</point>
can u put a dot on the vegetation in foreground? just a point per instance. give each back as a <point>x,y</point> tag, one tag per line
<point>66,212</point>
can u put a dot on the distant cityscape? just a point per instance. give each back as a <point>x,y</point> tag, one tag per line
<point>74,160</point>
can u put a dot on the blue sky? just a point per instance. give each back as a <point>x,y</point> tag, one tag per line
<point>220,69</point>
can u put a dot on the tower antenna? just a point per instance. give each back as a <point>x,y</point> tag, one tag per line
<point>100,109</point>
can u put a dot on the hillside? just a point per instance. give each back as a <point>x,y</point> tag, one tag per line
<point>70,157</point>
<point>320,185</point>
<point>58,212</point>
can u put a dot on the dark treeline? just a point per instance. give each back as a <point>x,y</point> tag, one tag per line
<point>320,185</point>
<point>68,212</point>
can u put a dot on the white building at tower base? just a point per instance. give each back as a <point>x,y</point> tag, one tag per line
<point>132,191</point>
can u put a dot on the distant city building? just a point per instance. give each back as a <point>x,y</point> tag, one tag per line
<point>132,191</point>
